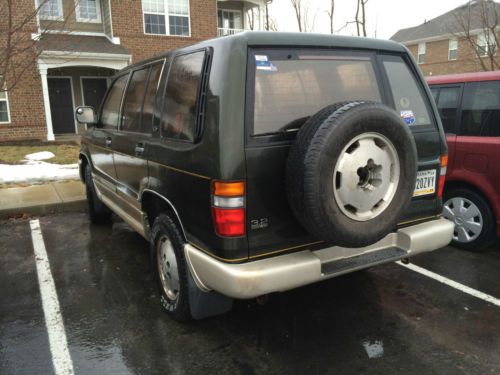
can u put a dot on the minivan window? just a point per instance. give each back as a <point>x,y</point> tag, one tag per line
<point>447,105</point>
<point>134,97</point>
<point>149,101</point>
<point>481,109</point>
<point>288,90</point>
<point>408,98</point>
<point>111,108</point>
<point>181,97</point>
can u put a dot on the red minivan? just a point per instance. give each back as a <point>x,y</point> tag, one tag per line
<point>469,106</point>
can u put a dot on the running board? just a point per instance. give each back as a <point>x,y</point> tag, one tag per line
<point>361,261</point>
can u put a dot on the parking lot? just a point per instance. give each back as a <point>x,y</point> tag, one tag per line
<point>389,319</point>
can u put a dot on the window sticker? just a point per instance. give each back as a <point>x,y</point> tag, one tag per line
<point>263,63</point>
<point>408,116</point>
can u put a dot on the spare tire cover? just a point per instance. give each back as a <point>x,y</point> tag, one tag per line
<point>351,173</point>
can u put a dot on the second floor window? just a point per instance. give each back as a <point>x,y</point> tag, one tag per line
<point>452,49</point>
<point>4,108</point>
<point>88,11</point>
<point>486,44</point>
<point>50,9</point>
<point>166,17</point>
<point>421,53</point>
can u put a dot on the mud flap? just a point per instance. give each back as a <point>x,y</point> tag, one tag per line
<point>206,304</point>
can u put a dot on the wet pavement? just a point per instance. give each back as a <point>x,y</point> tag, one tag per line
<point>381,321</point>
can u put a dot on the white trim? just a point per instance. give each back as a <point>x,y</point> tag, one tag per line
<point>46,102</point>
<point>111,19</point>
<point>422,49</point>
<point>59,17</point>
<point>9,120</point>
<point>72,32</point>
<point>88,20</point>
<point>166,14</point>
<point>72,95</point>
<point>58,59</point>
<point>242,25</point>
<point>453,41</point>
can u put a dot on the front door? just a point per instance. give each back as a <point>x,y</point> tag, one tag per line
<point>61,105</point>
<point>93,91</point>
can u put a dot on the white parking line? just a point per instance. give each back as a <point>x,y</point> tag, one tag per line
<point>53,318</point>
<point>453,284</point>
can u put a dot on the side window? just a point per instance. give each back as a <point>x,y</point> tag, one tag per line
<point>181,97</point>
<point>148,110</point>
<point>110,114</point>
<point>134,97</point>
<point>408,98</point>
<point>447,106</point>
<point>481,109</point>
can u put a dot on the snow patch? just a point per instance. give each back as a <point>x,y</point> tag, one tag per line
<point>374,349</point>
<point>43,155</point>
<point>36,172</point>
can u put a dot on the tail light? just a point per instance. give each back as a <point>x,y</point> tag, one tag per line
<point>442,175</point>
<point>228,208</point>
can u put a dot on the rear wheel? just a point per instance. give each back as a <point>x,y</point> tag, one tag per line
<point>473,219</point>
<point>169,267</point>
<point>98,212</point>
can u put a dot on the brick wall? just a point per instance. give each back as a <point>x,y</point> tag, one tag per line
<point>27,113</point>
<point>437,63</point>
<point>128,26</point>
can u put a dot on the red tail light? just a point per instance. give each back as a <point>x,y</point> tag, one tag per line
<point>228,208</point>
<point>442,175</point>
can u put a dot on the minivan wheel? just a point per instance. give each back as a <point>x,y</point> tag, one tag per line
<point>98,212</point>
<point>169,267</point>
<point>473,219</point>
<point>351,178</point>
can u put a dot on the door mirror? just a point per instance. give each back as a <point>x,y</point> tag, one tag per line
<point>86,115</point>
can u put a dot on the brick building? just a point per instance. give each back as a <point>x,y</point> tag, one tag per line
<point>458,41</point>
<point>81,43</point>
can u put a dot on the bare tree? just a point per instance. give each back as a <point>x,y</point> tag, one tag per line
<point>330,13</point>
<point>251,18</point>
<point>360,17</point>
<point>19,38</point>
<point>477,23</point>
<point>305,18</point>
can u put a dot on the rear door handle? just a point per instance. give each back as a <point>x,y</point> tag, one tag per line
<point>108,142</point>
<point>139,149</point>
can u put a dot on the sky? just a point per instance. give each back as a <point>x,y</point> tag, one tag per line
<point>384,17</point>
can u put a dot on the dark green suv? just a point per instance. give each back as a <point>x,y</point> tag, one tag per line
<point>262,162</point>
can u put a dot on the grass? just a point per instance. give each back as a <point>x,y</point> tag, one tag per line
<point>64,153</point>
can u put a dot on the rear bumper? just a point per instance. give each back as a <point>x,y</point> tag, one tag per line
<point>285,272</point>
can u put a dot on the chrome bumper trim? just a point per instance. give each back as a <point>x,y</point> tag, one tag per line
<point>285,272</point>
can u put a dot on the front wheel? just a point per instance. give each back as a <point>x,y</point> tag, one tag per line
<point>169,267</point>
<point>473,219</point>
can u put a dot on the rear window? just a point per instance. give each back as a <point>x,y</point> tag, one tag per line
<point>290,87</point>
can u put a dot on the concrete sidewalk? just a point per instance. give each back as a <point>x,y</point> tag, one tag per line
<point>42,199</point>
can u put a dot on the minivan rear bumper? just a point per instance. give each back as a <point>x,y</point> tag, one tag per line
<point>285,272</point>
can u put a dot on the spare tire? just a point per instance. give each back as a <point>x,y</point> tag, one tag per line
<point>351,173</point>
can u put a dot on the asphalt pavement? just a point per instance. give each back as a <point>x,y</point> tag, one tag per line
<point>386,320</point>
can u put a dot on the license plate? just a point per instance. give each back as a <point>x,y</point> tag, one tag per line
<point>426,183</point>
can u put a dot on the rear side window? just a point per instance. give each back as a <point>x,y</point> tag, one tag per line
<point>408,97</point>
<point>289,89</point>
<point>110,114</point>
<point>133,101</point>
<point>447,105</point>
<point>181,97</point>
<point>481,109</point>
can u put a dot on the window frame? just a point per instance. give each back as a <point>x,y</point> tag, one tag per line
<point>486,46</point>
<point>422,49</point>
<point>201,95</point>
<point>237,11</point>
<point>42,4</point>
<point>6,100</point>
<point>88,20</point>
<point>166,14</point>
<point>450,49</point>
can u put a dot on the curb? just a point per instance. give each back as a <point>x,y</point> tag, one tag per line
<point>44,209</point>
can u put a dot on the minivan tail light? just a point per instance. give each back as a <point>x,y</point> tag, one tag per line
<point>442,175</point>
<point>228,208</point>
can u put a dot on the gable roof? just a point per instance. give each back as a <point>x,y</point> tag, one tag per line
<point>446,24</point>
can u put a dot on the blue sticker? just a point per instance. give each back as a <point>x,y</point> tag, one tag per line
<point>408,117</point>
<point>263,63</point>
